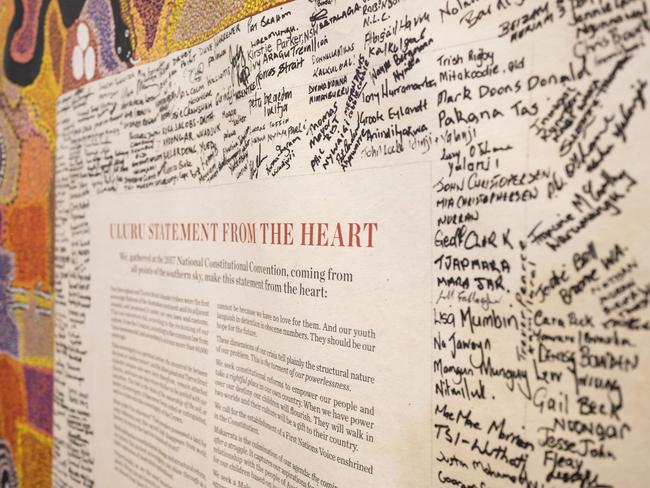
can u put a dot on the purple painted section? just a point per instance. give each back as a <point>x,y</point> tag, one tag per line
<point>99,15</point>
<point>39,386</point>
<point>8,329</point>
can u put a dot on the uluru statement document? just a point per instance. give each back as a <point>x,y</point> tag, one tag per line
<point>380,243</point>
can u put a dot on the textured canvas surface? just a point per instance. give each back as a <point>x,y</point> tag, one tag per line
<point>50,47</point>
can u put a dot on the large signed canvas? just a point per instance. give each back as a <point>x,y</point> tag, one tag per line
<point>324,243</point>
<point>380,243</point>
